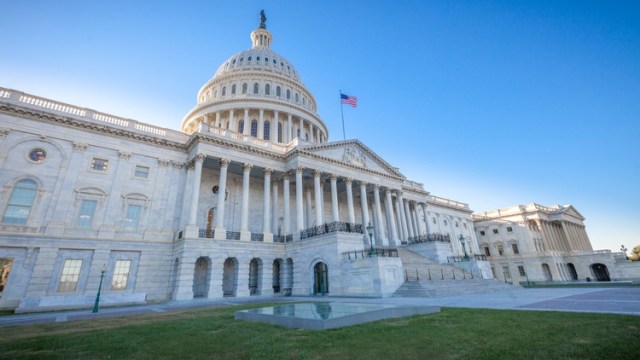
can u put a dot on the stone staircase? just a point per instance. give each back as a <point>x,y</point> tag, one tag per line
<point>425,278</point>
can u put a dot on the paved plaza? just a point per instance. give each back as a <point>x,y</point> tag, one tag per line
<point>595,300</point>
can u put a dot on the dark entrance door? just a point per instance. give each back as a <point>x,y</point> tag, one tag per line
<point>600,272</point>
<point>320,279</point>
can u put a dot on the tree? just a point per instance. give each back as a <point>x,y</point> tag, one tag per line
<point>635,254</point>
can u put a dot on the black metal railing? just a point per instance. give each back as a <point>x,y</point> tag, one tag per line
<point>360,254</point>
<point>233,235</point>
<point>336,226</point>
<point>429,238</point>
<point>454,259</point>
<point>279,238</point>
<point>257,237</point>
<point>204,233</point>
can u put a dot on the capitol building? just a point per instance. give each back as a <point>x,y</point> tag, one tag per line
<point>249,198</point>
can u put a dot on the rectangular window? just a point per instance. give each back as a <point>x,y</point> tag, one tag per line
<point>70,275</point>
<point>486,251</point>
<point>141,172</point>
<point>121,275</point>
<point>133,215</point>
<point>514,247</point>
<point>433,220</point>
<point>500,250</point>
<point>521,270</point>
<point>509,229</point>
<point>482,233</point>
<point>86,214</point>
<point>99,164</point>
<point>495,231</point>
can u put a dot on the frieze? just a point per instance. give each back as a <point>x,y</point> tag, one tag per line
<point>354,156</point>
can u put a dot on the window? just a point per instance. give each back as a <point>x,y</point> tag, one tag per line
<point>20,202</point>
<point>521,270</point>
<point>482,233</point>
<point>141,172</point>
<point>457,225</point>
<point>514,247</point>
<point>255,88</point>
<point>87,213</point>
<point>254,128</point>
<point>244,88</point>
<point>434,220</point>
<point>509,229</point>
<point>37,155</point>
<point>241,126</point>
<point>224,91</point>
<point>70,274</point>
<point>120,275</point>
<point>297,97</point>
<point>267,130</point>
<point>133,217</point>
<point>495,231</point>
<point>257,58</point>
<point>249,58</point>
<point>99,164</point>
<point>278,91</point>
<point>233,89</point>
<point>288,94</point>
<point>446,223</point>
<point>500,250</point>
<point>266,59</point>
<point>487,251</point>
<point>279,134</point>
<point>267,89</point>
<point>465,225</point>
<point>241,59</point>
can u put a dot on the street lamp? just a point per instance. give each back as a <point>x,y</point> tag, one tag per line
<point>370,232</point>
<point>464,248</point>
<point>624,251</point>
<point>95,306</point>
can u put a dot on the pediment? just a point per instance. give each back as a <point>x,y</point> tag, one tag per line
<point>570,210</point>
<point>352,153</point>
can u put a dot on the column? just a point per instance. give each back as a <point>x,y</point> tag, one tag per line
<point>220,232</point>
<point>427,220</point>
<point>352,215</point>
<point>388,202</point>
<point>244,217</point>
<point>364,206</point>
<point>299,202</point>
<point>403,218</point>
<point>382,240</point>
<point>416,224</point>
<point>247,123</point>
<point>301,127</point>
<point>197,174</point>
<point>318,196</point>
<point>261,124</point>
<point>274,211</point>
<point>401,233</point>
<point>217,119</point>
<point>334,198</point>
<point>407,216</point>
<point>289,128</point>
<point>232,121</point>
<point>275,127</point>
<point>286,221</point>
<point>266,209</point>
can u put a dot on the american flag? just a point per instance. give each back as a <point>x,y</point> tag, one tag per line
<point>350,100</point>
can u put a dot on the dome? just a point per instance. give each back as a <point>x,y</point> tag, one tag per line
<point>258,93</point>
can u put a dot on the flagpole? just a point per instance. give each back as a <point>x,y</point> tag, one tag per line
<point>344,137</point>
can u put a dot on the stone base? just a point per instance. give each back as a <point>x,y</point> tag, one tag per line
<point>65,302</point>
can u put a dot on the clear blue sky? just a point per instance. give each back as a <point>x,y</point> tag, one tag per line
<point>491,103</point>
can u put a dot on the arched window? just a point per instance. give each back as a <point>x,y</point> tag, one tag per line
<point>244,88</point>
<point>278,94</point>
<point>224,91</point>
<point>20,203</point>
<point>254,128</point>
<point>267,89</point>
<point>288,94</point>
<point>233,89</point>
<point>296,98</point>
<point>241,126</point>
<point>255,88</point>
<point>267,129</point>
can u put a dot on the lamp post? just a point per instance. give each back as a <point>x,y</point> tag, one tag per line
<point>95,306</point>
<point>464,248</point>
<point>624,251</point>
<point>370,232</point>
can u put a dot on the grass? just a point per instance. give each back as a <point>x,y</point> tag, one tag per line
<point>583,285</point>
<point>214,334</point>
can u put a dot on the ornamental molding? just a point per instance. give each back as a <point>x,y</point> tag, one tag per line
<point>102,129</point>
<point>4,132</point>
<point>203,138</point>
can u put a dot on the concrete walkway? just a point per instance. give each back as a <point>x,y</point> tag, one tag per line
<point>619,300</point>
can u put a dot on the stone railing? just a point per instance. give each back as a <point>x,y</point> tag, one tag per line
<point>331,227</point>
<point>204,233</point>
<point>447,202</point>
<point>282,238</point>
<point>429,238</point>
<point>39,103</point>
<point>454,259</point>
<point>239,137</point>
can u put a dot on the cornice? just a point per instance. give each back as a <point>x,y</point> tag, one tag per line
<point>202,138</point>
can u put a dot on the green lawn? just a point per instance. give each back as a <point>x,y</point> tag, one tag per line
<point>451,334</point>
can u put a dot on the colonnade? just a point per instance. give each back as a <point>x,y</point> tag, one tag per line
<point>400,220</point>
<point>282,127</point>
<point>563,236</point>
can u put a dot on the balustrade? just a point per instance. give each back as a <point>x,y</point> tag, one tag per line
<point>335,226</point>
